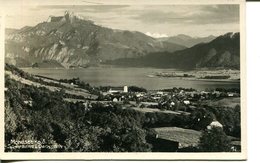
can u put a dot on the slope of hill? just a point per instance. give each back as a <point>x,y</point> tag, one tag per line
<point>187,40</point>
<point>36,108</point>
<point>73,41</point>
<point>223,52</point>
<point>47,64</point>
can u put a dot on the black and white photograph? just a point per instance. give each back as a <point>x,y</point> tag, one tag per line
<point>121,78</point>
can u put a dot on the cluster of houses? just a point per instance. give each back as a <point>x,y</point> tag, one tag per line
<point>168,100</point>
<point>156,99</point>
<point>180,100</point>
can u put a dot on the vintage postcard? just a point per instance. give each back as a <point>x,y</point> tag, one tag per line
<point>150,80</point>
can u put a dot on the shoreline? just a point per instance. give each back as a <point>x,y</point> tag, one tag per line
<point>146,74</point>
<point>209,80</point>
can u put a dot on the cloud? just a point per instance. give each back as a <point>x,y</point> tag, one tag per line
<point>195,20</point>
<point>192,14</point>
<point>83,8</point>
<point>156,35</point>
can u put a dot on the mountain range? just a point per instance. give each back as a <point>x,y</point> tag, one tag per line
<point>73,41</point>
<point>70,41</point>
<point>186,40</point>
<point>222,52</point>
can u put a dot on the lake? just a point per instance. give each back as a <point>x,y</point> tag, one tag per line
<point>142,77</point>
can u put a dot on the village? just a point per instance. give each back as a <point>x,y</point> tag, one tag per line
<point>163,107</point>
<point>176,101</point>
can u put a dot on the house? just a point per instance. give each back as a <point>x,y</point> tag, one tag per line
<point>115,99</point>
<point>159,93</point>
<point>139,94</point>
<point>28,102</point>
<point>204,92</point>
<point>229,94</point>
<point>181,92</point>
<point>172,103</point>
<point>214,124</point>
<point>186,102</point>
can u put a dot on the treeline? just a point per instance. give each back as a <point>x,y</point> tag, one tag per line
<point>235,90</point>
<point>224,90</point>
<point>176,90</point>
<point>217,77</point>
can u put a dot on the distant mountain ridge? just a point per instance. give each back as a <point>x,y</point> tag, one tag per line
<point>222,52</point>
<point>186,40</point>
<point>73,41</point>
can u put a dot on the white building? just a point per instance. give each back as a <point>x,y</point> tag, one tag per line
<point>214,124</point>
<point>116,99</point>
<point>139,94</point>
<point>159,93</point>
<point>172,104</point>
<point>186,102</point>
<point>230,94</point>
<point>28,102</point>
<point>125,89</point>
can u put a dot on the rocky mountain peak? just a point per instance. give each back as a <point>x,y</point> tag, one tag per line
<point>74,41</point>
<point>68,17</point>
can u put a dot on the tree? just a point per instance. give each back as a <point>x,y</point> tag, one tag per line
<point>214,140</point>
<point>201,118</point>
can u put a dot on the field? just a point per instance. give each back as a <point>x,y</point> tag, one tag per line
<point>227,102</point>
<point>151,110</point>
<point>185,137</point>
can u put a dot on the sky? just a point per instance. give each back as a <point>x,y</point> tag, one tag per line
<point>154,20</point>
